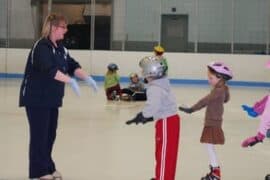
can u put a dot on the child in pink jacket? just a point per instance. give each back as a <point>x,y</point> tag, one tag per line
<point>262,109</point>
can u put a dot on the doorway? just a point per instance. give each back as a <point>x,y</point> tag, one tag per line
<point>174,32</point>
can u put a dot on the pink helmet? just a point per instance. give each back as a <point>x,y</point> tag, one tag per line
<point>221,69</point>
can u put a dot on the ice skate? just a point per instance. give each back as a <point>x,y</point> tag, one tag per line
<point>267,177</point>
<point>115,96</point>
<point>214,174</point>
<point>57,175</point>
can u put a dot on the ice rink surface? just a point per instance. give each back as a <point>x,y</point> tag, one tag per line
<point>93,142</point>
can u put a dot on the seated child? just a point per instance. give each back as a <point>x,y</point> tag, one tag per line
<point>135,91</point>
<point>112,83</point>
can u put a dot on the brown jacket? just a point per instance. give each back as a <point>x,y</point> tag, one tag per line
<point>214,104</point>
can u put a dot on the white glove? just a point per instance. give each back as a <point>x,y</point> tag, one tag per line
<point>92,83</point>
<point>75,87</point>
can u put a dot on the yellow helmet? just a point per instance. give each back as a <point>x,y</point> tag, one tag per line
<point>159,49</point>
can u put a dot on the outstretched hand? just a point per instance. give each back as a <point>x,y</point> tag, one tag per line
<point>92,83</point>
<point>251,141</point>
<point>75,87</point>
<point>139,118</point>
<point>250,111</point>
<point>185,109</point>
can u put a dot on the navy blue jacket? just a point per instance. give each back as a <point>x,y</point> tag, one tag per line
<point>39,88</point>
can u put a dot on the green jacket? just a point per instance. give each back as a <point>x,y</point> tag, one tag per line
<point>164,61</point>
<point>111,79</point>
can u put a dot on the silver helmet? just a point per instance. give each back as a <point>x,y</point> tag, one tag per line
<point>152,67</point>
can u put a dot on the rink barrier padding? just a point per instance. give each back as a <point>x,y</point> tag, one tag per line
<point>173,81</point>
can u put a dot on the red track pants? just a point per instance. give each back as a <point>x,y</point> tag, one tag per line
<point>167,140</point>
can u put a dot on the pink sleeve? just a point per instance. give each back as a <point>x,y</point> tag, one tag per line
<point>268,64</point>
<point>265,119</point>
<point>260,105</point>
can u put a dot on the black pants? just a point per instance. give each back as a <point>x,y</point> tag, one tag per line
<point>136,96</point>
<point>43,125</point>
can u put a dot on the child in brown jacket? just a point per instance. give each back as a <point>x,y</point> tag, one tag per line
<point>218,75</point>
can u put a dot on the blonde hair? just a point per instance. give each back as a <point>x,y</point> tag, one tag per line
<point>52,19</point>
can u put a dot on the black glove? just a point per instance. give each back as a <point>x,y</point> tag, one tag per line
<point>186,110</point>
<point>139,119</point>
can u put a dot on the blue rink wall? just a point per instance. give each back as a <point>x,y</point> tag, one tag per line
<point>184,68</point>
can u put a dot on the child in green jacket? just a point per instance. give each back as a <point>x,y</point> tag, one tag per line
<point>112,83</point>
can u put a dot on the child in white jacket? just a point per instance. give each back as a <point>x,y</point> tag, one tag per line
<point>160,106</point>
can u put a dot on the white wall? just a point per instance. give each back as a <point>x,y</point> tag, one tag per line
<point>2,60</point>
<point>141,19</point>
<point>21,20</point>
<point>181,65</point>
<point>3,19</point>
<point>118,20</point>
<point>251,19</point>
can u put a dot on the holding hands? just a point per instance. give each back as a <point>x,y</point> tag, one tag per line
<point>186,109</point>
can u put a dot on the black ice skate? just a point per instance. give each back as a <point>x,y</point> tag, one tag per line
<point>267,177</point>
<point>214,174</point>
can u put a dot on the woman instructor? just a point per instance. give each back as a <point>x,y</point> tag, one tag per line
<point>49,67</point>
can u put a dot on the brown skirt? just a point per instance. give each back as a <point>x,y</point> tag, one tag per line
<point>212,135</point>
